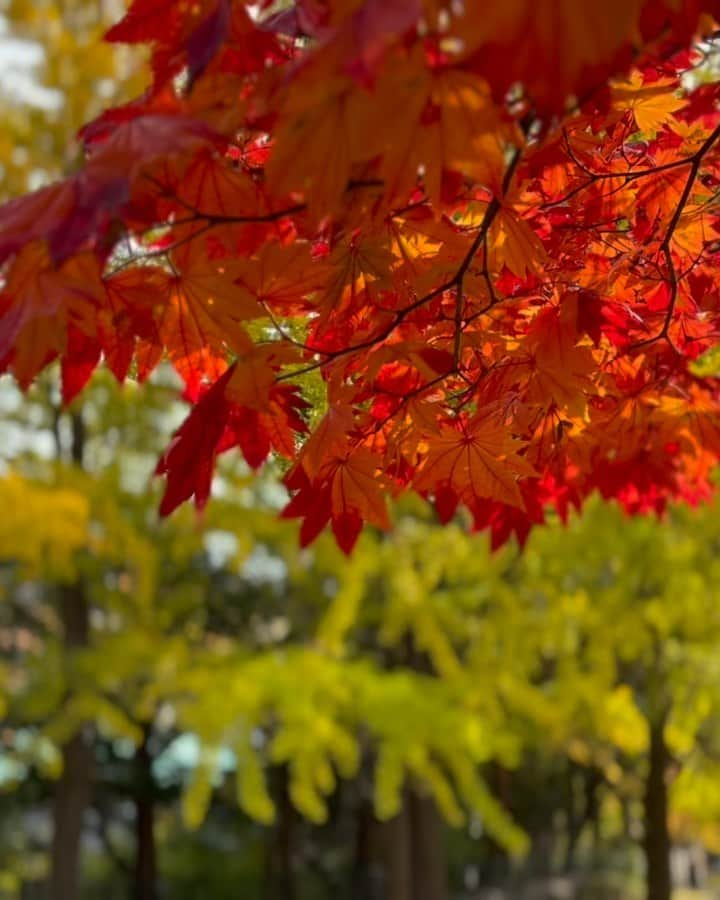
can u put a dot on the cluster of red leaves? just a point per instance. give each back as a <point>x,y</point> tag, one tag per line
<point>491,229</point>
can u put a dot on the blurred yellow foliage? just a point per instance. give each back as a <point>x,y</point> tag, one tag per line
<point>73,77</point>
<point>42,528</point>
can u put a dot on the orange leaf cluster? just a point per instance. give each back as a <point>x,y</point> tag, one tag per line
<point>491,229</point>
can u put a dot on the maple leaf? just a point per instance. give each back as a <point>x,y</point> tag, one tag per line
<point>275,428</point>
<point>561,369</point>
<point>652,103</point>
<point>40,304</point>
<point>189,461</point>
<point>503,520</point>
<point>68,215</point>
<point>128,318</point>
<point>80,359</point>
<point>659,193</point>
<point>472,461</point>
<point>284,277</point>
<point>348,490</point>
<point>200,321</point>
<point>358,488</point>
<point>371,29</point>
<point>514,244</point>
<point>39,215</point>
<point>122,153</point>
<point>214,186</point>
<point>315,125</point>
<point>434,120</point>
<point>328,439</point>
<point>360,269</point>
<point>578,41</point>
<point>195,38</point>
<point>218,422</point>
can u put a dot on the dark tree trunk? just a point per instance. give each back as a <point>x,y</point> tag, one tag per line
<point>575,820</point>
<point>428,861</point>
<point>145,870</point>
<point>593,782</point>
<point>73,790</point>
<point>74,787</point>
<point>413,850</point>
<point>416,864</point>
<point>656,843</point>
<point>286,842</point>
<point>280,856</point>
<point>396,838</point>
<point>362,882</point>
<point>72,796</point>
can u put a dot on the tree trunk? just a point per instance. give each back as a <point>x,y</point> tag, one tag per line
<point>396,837</point>
<point>362,882</point>
<point>417,867</point>
<point>593,782</point>
<point>428,861</point>
<point>656,843</point>
<point>145,870</point>
<point>574,823</point>
<point>74,787</point>
<point>413,850</point>
<point>72,796</point>
<point>286,842</point>
<point>279,876</point>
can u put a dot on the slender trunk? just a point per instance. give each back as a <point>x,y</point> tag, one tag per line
<point>574,824</point>
<point>72,795</point>
<point>656,843</point>
<point>593,782</point>
<point>396,837</point>
<point>145,870</point>
<point>286,842</point>
<point>428,861</point>
<point>413,851</point>
<point>279,876</point>
<point>362,883</point>
<point>74,787</point>
<point>416,864</point>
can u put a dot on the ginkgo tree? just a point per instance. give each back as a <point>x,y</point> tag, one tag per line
<point>63,76</point>
<point>465,250</point>
<point>630,621</point>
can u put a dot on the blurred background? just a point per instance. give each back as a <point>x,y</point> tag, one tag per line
<point>196,709</point>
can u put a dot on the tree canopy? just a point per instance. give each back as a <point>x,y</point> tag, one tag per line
<point>465,250</point>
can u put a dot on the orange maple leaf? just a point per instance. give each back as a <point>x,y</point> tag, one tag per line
<point>652,104</point>
<point>477,459</point>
